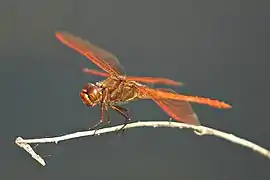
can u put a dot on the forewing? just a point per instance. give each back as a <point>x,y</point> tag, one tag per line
<point>102,58</point>
<point>177,109</point>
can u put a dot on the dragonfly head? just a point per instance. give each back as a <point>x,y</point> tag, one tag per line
<point>90,94</point>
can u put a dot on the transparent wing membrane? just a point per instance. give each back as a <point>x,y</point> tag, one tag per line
<point>177,109</point>
<point>149,80</point>
<point>102,58</point>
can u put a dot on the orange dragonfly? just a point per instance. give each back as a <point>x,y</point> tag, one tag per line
<point>118,88</point>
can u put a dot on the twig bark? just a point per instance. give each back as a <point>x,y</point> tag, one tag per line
<point>199,130</point>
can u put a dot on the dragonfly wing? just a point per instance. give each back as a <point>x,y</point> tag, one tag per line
<point>95,72</point>
<point>102,58</point>
<point>148,80</point>
<point>177,109</point>
<point>154,80</point>
<point>161,93</point>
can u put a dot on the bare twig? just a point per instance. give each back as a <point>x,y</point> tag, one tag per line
<point>199,130</point>
<point>28,148</point>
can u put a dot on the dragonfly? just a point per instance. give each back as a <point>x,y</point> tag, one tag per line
<point>118,88</point>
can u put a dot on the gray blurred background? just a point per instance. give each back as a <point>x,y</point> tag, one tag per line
<point>219,49</point>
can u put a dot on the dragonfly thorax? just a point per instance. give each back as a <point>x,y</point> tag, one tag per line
<point>91,94</point>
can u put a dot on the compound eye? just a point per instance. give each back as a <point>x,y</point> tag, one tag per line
<point>91,89</point>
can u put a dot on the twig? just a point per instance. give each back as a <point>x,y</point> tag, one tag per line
<point>28,148</point>
<point>199,130</point>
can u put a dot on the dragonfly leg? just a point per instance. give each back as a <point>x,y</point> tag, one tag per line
<point>103,106</point>
<point>108,115</point>
<point>96,125</point>
<point>108,118</point>
<point>124,113</point>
